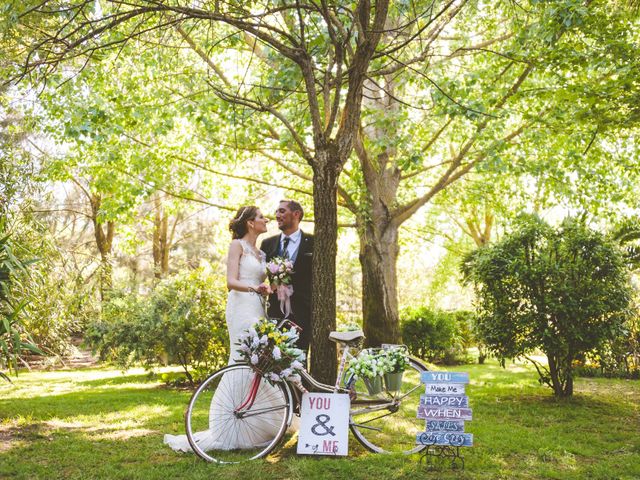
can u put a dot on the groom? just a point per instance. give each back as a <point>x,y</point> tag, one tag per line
<point>297,246</point>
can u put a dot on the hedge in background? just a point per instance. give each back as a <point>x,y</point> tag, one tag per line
<point>437,336</point>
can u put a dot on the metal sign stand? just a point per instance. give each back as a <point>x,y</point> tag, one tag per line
<point>436,456</point>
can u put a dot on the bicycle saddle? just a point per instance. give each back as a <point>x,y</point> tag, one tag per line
<point>346,337</point>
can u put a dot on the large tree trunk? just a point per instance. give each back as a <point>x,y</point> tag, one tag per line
<point>378,232</point>
<point>161,243</point>
<point>104,242</point>
<point>378,258</point>
<point>325,187</point>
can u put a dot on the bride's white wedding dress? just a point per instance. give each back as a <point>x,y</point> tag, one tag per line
<point>243,310</point>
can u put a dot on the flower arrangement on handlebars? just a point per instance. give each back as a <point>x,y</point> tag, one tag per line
<point>271,351</point>
<point>279,270</point>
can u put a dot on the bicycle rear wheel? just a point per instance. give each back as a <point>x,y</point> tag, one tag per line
<point>218,433</point>
<point>387,422</point>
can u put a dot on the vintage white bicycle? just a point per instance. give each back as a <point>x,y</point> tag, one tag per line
<point>383,423</point>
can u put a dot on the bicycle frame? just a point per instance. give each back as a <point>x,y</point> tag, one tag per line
<point>370,405</point>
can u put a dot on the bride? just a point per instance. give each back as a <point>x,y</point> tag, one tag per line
<point>246,272</point>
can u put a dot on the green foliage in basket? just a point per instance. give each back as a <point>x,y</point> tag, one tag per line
<point>394,360</point>
<point>367,365</point>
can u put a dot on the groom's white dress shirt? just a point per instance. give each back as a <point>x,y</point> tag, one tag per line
<point>294,244</point>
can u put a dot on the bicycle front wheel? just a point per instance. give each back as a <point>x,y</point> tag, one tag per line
<point>218,431</point>
<point>387,422</point>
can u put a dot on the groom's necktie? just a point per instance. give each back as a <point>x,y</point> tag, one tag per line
<point>285,245</point>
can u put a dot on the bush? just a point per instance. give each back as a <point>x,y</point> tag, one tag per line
<point>564,291</point>
<point>182,322</point>
<point>14,337</point>
<point>437,336</point>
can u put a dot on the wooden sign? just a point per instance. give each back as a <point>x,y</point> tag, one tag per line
<point>446,438</point>
<point>444,389</point>
<point>429,413</point>
<point>444,400</point>
<point>324,424</point>
<point>444,377</point>
<point>444,406</point>
<point>445,426</point>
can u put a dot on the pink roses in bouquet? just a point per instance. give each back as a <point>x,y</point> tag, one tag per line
<point>279,272</point>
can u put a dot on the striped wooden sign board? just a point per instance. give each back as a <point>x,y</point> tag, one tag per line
<point>444,377</point>
<point>444,389</point>
<point>458,401</point>
<point>444,426</point>
<point>429,413</point>
<point>445,439</point>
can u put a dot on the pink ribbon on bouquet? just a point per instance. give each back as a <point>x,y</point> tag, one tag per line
<point>284,293</point>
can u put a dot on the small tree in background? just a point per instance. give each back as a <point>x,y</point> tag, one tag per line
<point>564,291</point>
<point>182,322</point>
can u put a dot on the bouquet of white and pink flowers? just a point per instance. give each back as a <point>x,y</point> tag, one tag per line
<point>279,272</point>
<point>271,351</point>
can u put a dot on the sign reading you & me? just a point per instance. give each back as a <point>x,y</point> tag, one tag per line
<point>324,424</point>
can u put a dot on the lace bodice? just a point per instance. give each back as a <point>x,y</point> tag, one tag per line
<point>252,269</point>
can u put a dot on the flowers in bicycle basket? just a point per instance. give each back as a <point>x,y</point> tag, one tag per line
<point>371,363</point>
<point>366,365</point>
<point>272,352</point>
<point>279,270</point>
<point>395,359</point>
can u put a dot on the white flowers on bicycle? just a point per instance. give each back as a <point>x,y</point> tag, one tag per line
<point>271,351</point>
<point>370,364</point>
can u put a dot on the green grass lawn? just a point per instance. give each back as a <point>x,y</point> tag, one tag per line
<point>103,423</point>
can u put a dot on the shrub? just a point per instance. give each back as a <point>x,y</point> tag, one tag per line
<point>564,291</point>
<point>182,322</point>
<point>14,338</point>
<point>437,336</point>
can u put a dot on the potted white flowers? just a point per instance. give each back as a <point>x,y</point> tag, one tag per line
<point>395,361</point>
<point>372,367</point>
<point>367,367</point>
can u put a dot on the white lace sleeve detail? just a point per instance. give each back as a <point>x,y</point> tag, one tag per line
<point>246,249</point>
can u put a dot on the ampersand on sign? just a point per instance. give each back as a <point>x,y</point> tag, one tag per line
<point>322,422</point>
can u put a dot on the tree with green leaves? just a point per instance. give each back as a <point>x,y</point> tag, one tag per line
<point>324,50</point>
<point>564,291</point>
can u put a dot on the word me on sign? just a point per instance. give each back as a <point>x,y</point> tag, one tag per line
<point>445,389</point>
<point>324,424</point>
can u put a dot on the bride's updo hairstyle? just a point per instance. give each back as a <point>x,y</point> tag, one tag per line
<point>238,226</point>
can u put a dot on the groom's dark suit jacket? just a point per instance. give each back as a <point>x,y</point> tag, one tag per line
<point>301,282</point>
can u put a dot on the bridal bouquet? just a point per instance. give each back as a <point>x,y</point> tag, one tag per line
<point>272,352</point>
<point>279,272</point>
